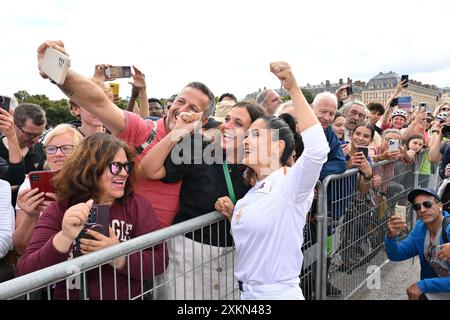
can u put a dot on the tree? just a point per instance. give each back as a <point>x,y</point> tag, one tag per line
<point>308,95</point>
<point>57,111</point>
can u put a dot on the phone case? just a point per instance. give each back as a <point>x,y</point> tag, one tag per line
<point>98,220</point>
<point>55,65</point>
<point>401,211</point>
<point>393,145</point>
<point>42,181</point>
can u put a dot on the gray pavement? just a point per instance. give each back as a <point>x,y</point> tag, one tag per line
<point>395,278</point>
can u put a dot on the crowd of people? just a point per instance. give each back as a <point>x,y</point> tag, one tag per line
<point>256,161</point>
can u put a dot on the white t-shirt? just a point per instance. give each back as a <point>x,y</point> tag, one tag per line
<point>267,224</point>
<point>7,218</point>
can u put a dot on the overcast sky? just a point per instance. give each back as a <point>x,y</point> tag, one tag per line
<point>228,45</point>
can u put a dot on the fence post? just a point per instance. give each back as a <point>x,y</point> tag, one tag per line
<point>322,208</point>
<point>319,225</point>
<point>415,185</point>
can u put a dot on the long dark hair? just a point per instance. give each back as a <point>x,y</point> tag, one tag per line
<point>286,132</point>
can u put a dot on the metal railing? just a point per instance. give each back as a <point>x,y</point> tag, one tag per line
<point>343,236</point>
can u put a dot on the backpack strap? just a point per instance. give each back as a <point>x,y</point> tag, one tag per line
<point>150,138</point>
<point>445,223</point>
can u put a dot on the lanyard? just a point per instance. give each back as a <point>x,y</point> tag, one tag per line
<point>228,180</point>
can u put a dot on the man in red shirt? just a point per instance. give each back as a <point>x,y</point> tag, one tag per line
<point>137,132</point>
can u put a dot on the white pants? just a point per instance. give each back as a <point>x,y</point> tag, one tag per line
<point>277,291</point>
<point>200,272</point>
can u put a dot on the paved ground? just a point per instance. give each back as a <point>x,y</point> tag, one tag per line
<point>395,278</point>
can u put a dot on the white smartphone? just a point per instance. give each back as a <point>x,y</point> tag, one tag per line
<point>55,65</point>
<point>401,212</point>
<point>393,145</point>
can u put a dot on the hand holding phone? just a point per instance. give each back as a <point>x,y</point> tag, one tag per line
<point>98,220</point>
<point>42,181</point>
<point>55,65</point>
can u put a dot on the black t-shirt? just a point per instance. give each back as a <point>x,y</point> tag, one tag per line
<point>34,161</point>
<point>378,130</point>
<point>202,185</point>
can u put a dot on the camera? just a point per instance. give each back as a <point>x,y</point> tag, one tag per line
<point>92,218</point>
<point>5,103</point>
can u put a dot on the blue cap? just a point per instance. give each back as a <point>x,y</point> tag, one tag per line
<point>414,193</point>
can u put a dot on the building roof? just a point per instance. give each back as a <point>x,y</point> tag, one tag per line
<point>383,80</point>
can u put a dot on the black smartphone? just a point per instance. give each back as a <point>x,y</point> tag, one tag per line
<point>5,103</point>
<point>98,220</point>
<point>349,90</point>
<point>365,151</point>
<point>394,102</point>
<point>446,131</point>
<point>405,77</point>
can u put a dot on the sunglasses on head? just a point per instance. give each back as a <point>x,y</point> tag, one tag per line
<point>427,205</point>
<point>116,167</point>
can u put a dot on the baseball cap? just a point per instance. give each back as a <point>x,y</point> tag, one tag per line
<point>414,193</point>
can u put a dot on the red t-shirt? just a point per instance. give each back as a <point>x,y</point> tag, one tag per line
<point>164,197</point>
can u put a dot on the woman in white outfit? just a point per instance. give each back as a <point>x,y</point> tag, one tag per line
<point>267,224</point>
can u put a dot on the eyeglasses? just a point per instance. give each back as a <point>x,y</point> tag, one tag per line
<point>30,136</point>
<point>65,149</point>
<point>356,113</point>
<point>427,204</point>
<point>116,167</point>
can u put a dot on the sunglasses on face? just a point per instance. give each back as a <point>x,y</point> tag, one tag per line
<point>427,205</point>
<point>116,167</point>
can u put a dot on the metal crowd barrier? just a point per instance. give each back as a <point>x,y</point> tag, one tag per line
<point>344,237</point>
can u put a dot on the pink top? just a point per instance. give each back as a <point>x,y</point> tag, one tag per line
<point>164,197</point>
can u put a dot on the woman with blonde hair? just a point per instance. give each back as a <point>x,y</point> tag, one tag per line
<point>59,144</point>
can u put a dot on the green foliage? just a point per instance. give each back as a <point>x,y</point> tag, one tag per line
<point>57,111</point>
<point>308,95</point>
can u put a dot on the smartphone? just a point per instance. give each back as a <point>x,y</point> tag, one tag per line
<point>401,212</point>
<point>405,77</point>
<point>43,181</point>
<point>446,131</point>
<point>394,102</point>
<point>393,145</point>
<point>118,72</point>
<point>98,220</point>
<point>5,103</point>
<point>349,90</point>
<point>365,151</point>
<point>55,65</point>
<point>423,106</point>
